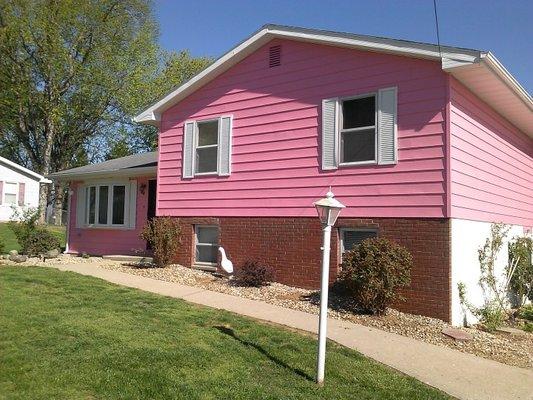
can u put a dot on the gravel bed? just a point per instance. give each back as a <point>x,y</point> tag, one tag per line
<point>516,350</point>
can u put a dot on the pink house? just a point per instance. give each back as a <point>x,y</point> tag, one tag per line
<point>424,146</point>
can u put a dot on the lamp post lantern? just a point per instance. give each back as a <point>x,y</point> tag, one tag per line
<point>328,210</point>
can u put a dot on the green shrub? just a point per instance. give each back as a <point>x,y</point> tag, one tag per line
<point>163,234</point>
<point>491,316</point>
<point>526,312</point>
<point>521,250</point>
<point>373,271</point>
<point>2,246</point>
<point>23,224</point>
<point>39,242</point>
<point>528,327</point>
<point>254,274</point>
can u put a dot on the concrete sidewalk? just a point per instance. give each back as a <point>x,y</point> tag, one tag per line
<point>462,375</point>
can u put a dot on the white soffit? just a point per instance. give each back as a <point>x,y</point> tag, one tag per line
<point>479,71</point>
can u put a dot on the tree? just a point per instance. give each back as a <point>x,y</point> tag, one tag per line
<point>67,71</point>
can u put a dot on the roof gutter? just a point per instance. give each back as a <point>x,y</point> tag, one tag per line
<point>132,172</point>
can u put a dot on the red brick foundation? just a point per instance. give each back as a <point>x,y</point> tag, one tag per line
<point>292,247</point>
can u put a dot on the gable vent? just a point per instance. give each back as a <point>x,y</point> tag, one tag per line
<point>274,56</point>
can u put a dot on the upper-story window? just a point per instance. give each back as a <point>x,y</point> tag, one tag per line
<point>206,147</point>
<point>358,130</point>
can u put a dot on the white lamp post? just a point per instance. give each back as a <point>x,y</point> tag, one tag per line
<point>328,210</point>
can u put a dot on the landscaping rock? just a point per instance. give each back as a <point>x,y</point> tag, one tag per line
<point>511,331</point>
<point>18,258</point>
<point>13,253</point>
<point>51,253</point>
<point>457,334</point>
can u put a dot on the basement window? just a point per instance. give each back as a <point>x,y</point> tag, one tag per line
<point>206,243</point>
<point>352,237</point>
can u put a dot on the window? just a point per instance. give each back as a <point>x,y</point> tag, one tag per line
<point>358,130</point>
<point>207,147</point>
<point>206,244</point>
<point>10,193</point>
<point>106,204</point>
<point>352,237</point>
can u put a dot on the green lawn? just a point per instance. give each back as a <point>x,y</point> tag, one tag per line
<point>10,241</point>
<point>67,336</point>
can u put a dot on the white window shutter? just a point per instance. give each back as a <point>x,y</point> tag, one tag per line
<point>329,134</point>
<point>188,149</point>
<point>132,206</point>
<point>224,146</point>
<point>80,207</point>
<point>387,126</point>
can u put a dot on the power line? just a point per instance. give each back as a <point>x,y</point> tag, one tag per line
<point>437,26</point>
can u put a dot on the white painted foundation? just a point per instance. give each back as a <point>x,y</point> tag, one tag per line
<point>467,238</point>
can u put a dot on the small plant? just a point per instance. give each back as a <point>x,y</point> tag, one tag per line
<point>374,271</point>
<point>526,312</point>
<point>254,274</point>
<point>528,327</point>
<point>163,234</point>
<point>39,242</point>
<point>2,246</point>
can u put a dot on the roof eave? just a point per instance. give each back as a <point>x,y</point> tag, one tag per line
<point>124,172</point>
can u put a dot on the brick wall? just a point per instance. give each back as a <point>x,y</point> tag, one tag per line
<point>292,247</point>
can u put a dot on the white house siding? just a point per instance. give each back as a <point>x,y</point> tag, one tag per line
<point>467,238</point>
<point>31,196</point>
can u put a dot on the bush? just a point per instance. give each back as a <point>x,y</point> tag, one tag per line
<point>491,316</point>
<point>2,246</point>
<point>23,224</point>
<point>254,274</point>
<point>39,242</point>
<point>520,250</point>
<point>373,271</point>
<point>526,312</point>
<point>163,234</point>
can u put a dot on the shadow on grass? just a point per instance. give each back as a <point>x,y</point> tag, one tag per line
<point>228,331</point>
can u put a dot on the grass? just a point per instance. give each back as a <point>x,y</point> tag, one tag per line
<point>10,241</point>
<point>65,335</point>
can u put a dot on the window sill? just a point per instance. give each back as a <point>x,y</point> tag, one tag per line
<point>205,174</point>
<point>205,267</point>
<point>108,227</point>
<point>358,163</point>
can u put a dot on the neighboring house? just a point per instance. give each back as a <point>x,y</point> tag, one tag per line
<point>19,188</point>
<point>109,203</point>
<point>426,146</point>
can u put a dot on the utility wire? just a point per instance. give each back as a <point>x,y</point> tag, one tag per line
<point>437,26</point>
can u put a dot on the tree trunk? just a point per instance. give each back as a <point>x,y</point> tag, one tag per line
<point>58,203</point>
<point>47,159</point>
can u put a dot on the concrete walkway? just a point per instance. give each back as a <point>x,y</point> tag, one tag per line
<point>461,375</point>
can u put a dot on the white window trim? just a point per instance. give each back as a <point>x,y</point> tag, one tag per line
<point>340,131</point>
<point>342,230</point>
<point>196,146</point>
<point>109,224</point>
<point>196,243</point>
<point>16,203</point>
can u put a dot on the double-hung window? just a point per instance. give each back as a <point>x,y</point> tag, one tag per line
<point>358,130</point>
<point>206,244</point>
<point>10,193</point>
<point>106,205</point>
<point>206,149</point>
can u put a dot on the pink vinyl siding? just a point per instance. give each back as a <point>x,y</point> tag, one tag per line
<point>491,163</point>
<point>102,241</point>
<point>276,137</point>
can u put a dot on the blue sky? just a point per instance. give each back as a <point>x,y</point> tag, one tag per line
<point>208,27</point>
